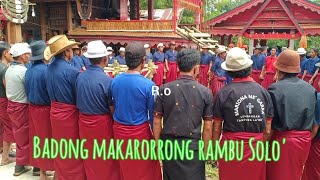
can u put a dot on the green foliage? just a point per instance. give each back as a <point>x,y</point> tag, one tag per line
<point>158,4</point>
<point>187,17</point>
<point>215,8</point>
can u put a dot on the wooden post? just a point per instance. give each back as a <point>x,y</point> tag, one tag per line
<point>197,19</point>
<point>150,9</point>
<point>175,9</point>
<point>222,40</point>
<point>123,9</point>
<point>14,33</point>
<point>251,44</point>
<point>43,20</point>
<point>69,16</point>
<point>134,10</point>
<point>229,39</point>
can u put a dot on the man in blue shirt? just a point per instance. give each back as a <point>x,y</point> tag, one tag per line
<point>61,80</point>
<point>311,168</point>
<point>149,55</point>
<point>311,69</point>
<point>39,107</point>
<point>220,77</point>
<point>111,57</point>
<point>95,119</point>
<point>76,61</point>
<point>158,59</point>
<point>302,52</point>
<point>258,62</point>
<point>205,65</point>
<point>121,57</point>
<point>134,106</point>
<point>171,63</point>
<point>85,61</point>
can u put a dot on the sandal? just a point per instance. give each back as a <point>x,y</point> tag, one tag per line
<point>18,170</point>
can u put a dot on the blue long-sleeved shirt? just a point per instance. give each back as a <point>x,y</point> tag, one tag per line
<point>94,91</point>
<point>61,81</point>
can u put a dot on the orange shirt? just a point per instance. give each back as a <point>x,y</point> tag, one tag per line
<point>269,64</point>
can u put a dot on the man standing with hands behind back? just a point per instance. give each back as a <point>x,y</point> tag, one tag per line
<point>184,111</point>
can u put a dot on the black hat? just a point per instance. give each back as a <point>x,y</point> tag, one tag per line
<point>37,50</point>
<point>135,50</point>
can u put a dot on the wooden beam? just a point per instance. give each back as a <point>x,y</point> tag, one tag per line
<point>150,9</point>
<point>295,22</point>
<point>69,16</point>
<point>255,16</point>
<point>43,21</point>
<point>123,9</point>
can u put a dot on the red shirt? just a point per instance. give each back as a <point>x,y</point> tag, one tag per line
<point>269,64</point>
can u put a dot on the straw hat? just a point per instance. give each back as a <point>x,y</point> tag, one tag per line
<point>237,59</point>
<point>57,45</point>
<point>288,61</point>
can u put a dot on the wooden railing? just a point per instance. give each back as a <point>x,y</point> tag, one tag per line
<point>130,25</point>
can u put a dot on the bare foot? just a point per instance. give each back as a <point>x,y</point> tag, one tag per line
<point>6,161</point>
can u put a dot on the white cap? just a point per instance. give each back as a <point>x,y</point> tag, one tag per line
<point>96,49</point>
<point>122,49</point>
<point>301,51</point>
<point>109,48</point>
<point>160,45</point>
<point>19,49</point>
<point>146,46</point>
<point>236,60</point>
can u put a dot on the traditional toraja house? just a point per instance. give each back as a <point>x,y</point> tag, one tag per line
<point>113,21</point>
<point>267,19</point>
<point>130,24</point>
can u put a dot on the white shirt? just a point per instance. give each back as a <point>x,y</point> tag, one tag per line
<point>15,79</point>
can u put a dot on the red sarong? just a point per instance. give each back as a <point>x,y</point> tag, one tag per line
<point>312,168</point>
<point>64,122</point>
<point>307,78</point>
<point>110,74</point>
<point>39,116</point>
<point>33,162</point>
<point>158,77</point>
<point>293,155</point>
<point>268,79</point>
<point>256,76</point>
<point>203,74</point>
<point>6,121</point>
<point>18,113</point>
<point>172,74</point>
<point>1,134</point>
<point>299,76</point>
<point>136,169</point>
<point>217,83</point>
<point>316,84</point>
<point>98,127</point>
<point>244,169</point>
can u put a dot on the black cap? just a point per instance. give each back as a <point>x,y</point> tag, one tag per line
<point>135,50</point>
